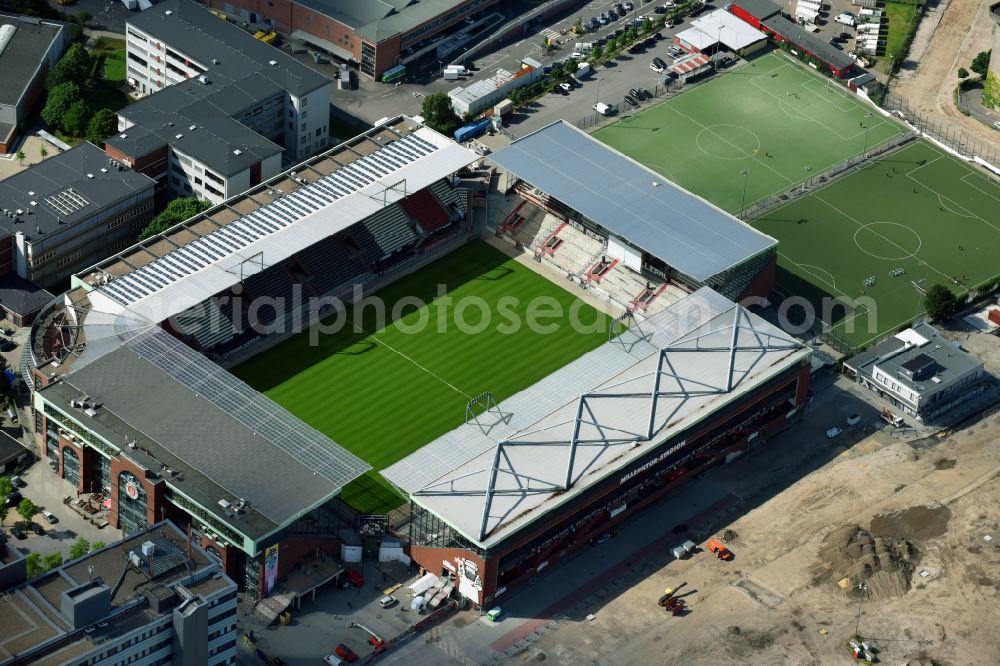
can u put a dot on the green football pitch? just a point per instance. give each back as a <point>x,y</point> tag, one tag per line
<point>771,118</point>
<point>911,219</point>
<point>384,389</point>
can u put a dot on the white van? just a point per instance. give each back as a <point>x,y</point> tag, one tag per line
<point>846,18</point>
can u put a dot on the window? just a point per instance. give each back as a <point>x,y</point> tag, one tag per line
<point>291,126</point>
<point>304,127</point>
<point>319,131</point>
<point>305,102</point>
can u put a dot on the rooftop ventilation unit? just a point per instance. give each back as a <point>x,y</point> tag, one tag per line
<point>31,193</point>
<point>193,127</point>
<point>272,63</point>
<point>123,136</point>
<point>168,12</point>
<point>237,151</point>
<point>103,170</point>
<point>224,504</point>
<point>90,411</point>
<point>203,79</point>
<point>179,136</point>
<point>90,175</point>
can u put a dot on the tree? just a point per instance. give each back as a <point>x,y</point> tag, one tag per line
<point>97,545</point>
<point>79,548</point>
<point>981,63</point>
<point>103,124</point>
<point>940,302</point>
<point>20,156</point>
<point>439,115</point>
<point>34,565</point>
<point>77,118</point>
<point>578,26</point>
<point>6,488</point>
<point>74,66</point>
<point>26,509</point>
<point>42,151</point>
<point>596,53</point>
<point>176,211</point>
<point>61,97</point>
<point>963,73</point>
<point>52,560</point>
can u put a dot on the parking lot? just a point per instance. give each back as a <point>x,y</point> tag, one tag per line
<point>319,626</point>
<point>47,491</point>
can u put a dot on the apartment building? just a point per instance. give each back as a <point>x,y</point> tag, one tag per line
<point>68,212</point>
<point>153,599</point>
<point>222,108</point>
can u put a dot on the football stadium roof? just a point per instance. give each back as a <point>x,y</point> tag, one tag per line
<point>199,258</point>
<point>594,417</point>
<point>221,439</point>
<point>632,202</point>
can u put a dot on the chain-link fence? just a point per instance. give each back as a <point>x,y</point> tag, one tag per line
<point>951,136</point>
<point>761,206</point>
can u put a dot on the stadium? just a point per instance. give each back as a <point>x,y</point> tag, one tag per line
<point>182,378</point>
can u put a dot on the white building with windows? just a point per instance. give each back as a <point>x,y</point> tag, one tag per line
<point>921,373</point>
<point>154,599</point>
<point>223,110</point>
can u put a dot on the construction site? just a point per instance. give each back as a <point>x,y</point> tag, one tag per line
<point>874,544</point>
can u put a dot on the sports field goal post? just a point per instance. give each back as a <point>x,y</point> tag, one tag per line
<point>477,409</point>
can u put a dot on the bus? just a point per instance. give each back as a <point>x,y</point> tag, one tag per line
<point>394,74</point>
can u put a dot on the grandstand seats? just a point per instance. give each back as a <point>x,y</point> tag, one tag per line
<point>426,210</point>
<point>450,196</point>
<point>274,282</point>
<point>210,322</point>
<point>383,233</point>
<point>330,265</point>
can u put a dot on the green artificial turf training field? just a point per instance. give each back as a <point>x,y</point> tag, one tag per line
<point>382,393</point>
<point>917,208</point>
<point>772,118</point>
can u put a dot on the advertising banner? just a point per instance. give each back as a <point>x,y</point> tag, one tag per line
<point>270,568</point>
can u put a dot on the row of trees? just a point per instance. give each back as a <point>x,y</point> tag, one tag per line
<point>38,564</point>
<point>71,83</point>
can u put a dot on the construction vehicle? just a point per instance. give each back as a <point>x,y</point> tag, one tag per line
<point>373,639</point>
<point>716,546</point>
<point>671,602</point>
<point>892,419</point>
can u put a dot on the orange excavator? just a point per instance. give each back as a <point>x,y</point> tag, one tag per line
<point>716,546</point>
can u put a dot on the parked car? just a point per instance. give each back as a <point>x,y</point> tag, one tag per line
<point>607,536</point>
<point>631,100</point>
<point>14,498</point>
<point>17,482</point>
<point>332,660</point>
<point>50,517</point>
<point>387,602</point>
<point>603,19</point>
<point>356,578</point>
<point>635,93</point>
<point>853,419</point>
<point>833,433</point>
<point>565,87</point>
<point>845,18</point>
<point>628,6</point>
<point>36,528</point>
<point>645,93</point>
<point>996,125</point>
<point>18,533</point>
<point>576,55</point>
<point>7,345</point>
<point>494,614</point>
<point>656,67</point>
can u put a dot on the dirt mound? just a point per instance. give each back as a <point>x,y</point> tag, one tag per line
<point>916,522</point>
<point>884,564</point>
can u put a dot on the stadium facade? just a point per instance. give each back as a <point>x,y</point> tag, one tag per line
<point>541,473</point>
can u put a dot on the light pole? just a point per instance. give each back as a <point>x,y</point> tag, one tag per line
<point>862,589</point>
<point>746,174</point>
<point>868,124</point>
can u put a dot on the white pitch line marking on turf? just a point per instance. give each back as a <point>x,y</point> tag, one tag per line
<point>832,281</point>
<point>755,159</point>
<point>979,189</point>
<point>393,349</point>
<point>902,249</point>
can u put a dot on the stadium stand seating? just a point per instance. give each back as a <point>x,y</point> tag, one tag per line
<point>426,210</point>
<point>275,283</point>
<point>450,196</point>
<point>577,252</point>
<point>385,232</point>
<point>208,323</point>
<point>330,265</point>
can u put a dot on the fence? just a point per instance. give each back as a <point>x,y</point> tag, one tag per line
<point>761,206</point>
<point>953,137</point>
<point>396,641</point>
<point>595,119</point>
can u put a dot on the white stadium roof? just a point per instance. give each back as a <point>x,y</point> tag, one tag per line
<point>594,417</point>
<point>292,222</point>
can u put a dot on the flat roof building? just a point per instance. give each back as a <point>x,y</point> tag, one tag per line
<point>721,28</point>
<point>224,112</point>
<point>376,34</point>
<point>153,598</point>
<point>29,48</point>
<point>68,212</point>
<point>921,373</point>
